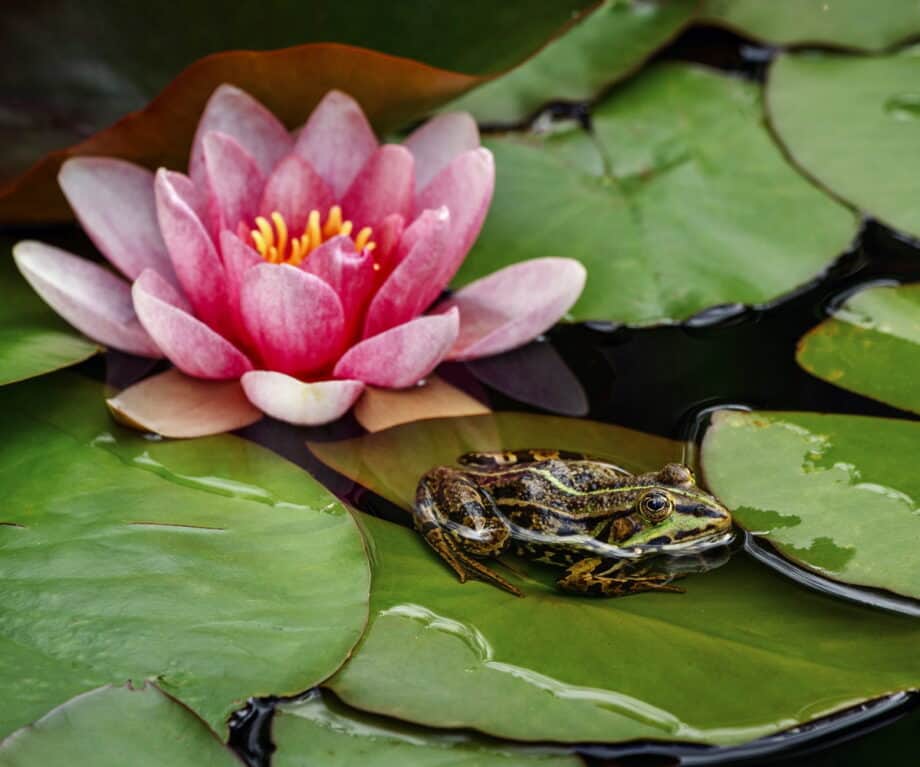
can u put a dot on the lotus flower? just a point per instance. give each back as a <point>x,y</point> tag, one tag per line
<point>301,264</point>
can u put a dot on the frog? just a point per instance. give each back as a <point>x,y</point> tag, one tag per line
<point>612,531</point>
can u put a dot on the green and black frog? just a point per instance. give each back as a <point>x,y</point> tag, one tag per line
<point>613,531</point>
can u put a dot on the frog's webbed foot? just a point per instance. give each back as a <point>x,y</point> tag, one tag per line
<point>462,563</point>
<point>599,577</point>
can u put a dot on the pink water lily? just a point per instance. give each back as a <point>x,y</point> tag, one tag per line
<point>304,265</point>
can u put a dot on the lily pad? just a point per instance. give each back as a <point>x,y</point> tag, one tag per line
<point>322,731</point>
<point>212,565</point>
<point>853,123</point>
<point>837,494</point>
<point>685,202</point>
<point>607,46</point>
<point>839,23</point>
<point>562,668</point>
<point>33,340</point>
<point>134,87</point>
<point>553,666</point>
<point>100,728</point>
<point>871,346</point>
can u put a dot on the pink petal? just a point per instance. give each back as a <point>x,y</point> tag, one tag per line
<point>349,273</point>
<point>403,355</point>
<point>238,258</point>
<point>383,186</point>
<point>195,259</point>
<point>438,141</point>
<point>417,280</point>
<point>304,404</point>
<point>179,407</point>
<point>337,140</point>
<point>197,199</point>
<point>237,114</point>
<point>387,237</point>
<point>513,305</point>
<point>188,343</point>
<point>87,295</point>
<point>294,318</point>
<point>294,189</point>
<point>465,186</point>
<point>234,178</point>
<point>115,204</point>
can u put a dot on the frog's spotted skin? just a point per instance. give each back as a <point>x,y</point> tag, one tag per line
<point>605,526</point>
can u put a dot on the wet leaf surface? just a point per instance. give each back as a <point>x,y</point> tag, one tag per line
<point>684,202</point>
<point>560,667</point>
<point>837,23</point>
<point>871,346</point>
<point>318,731</point>
<point>565,668</point>
<point>853,123</point>
<point>33,340</point>
<point>834,493</point>
<point>212,565</point>
<point>607,46</point>
<point>100,728</point>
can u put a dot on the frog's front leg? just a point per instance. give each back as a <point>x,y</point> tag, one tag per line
<point>614,578</point>
<point>459,521</point>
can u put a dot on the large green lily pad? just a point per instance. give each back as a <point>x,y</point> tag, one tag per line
<point>871,346</point>
<point>837,494</point>
<point>321,731</point>
<point>558,667</point>
<point>101,728</point>
<point>608,45</point>
<point>839,23</point>
<point>684,203</point>
<point>853,123</point>
<point>211,565</point>
<point>33,339</point>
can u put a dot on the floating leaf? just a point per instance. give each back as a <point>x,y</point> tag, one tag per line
<point>853,123</point>
<point>319,731</point>
<point>101,728</point>
<point>175,405</point>
<point>390,462</point>
<point>843,23</point>
<point>33,340</point>
<point>380,409</point>
<point>871,346</point>
<point>607,46</point>
<point>212,565</point>
<point>563,668</point>
<point>92,81</point>
<point>699,206</point>
<point>837,494</point>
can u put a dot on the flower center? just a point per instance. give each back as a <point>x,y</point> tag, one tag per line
<point>272,240</point>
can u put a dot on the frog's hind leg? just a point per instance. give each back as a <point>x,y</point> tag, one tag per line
<point>498,459</point>
<point>459,521</point>
<point>617,578</point>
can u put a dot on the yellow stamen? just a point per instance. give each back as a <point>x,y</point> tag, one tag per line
<point>272,239</point>
<point>363,236</point>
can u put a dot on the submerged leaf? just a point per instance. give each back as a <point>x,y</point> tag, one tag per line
<point>871,346</point>
<point>212,565</point>
<point>100,728</point>
<point>685,202</point>
<point>853,123</point>
<point>837,494</point>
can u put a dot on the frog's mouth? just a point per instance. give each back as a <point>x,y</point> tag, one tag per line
<point>705,542</point>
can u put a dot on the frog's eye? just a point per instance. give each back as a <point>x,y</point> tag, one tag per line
<point>656,506</point>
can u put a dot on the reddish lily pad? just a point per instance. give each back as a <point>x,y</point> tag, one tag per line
<point>73,97</point>
<point>871,346</point>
